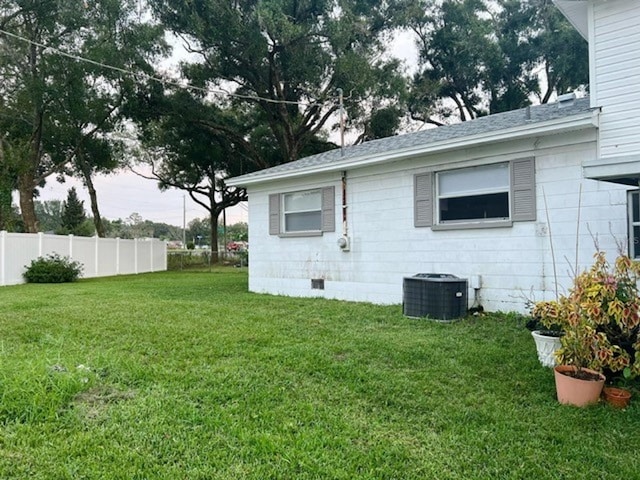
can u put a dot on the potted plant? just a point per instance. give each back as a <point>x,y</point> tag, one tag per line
<point>602,300</point>
<point>618,395</point>
<point>547,340</point>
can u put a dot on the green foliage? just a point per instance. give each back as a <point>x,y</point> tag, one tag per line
<point>290,51</point>
<point>189,259</point>
<point>478,57</point>
<point>209,381</point>
<point>57,110</point>
<point>238,231</point>
<point>49,213</point>
<point>52,269</point>
<point>191,246</point>
<point>73,215</point>
<point>600,317</point>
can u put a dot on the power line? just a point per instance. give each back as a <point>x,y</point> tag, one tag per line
<point>141,75</point>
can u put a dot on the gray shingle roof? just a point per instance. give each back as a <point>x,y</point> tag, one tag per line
<point>479,126</point>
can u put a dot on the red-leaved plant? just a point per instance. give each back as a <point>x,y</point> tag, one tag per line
<point>600,317</point>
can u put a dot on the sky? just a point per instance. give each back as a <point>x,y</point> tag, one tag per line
<point>123,193</point>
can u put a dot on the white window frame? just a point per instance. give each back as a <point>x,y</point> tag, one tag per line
<point>285,212</point>
<point>473,221</point>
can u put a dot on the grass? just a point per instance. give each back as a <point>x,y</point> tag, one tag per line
<point>187,376</point>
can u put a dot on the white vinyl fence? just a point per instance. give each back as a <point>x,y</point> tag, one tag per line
<point>100,257</point>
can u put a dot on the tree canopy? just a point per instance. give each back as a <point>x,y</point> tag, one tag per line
<point>261,86</point>
<point>288,58</point>
<point>479,57</point>
<point>57,109</point>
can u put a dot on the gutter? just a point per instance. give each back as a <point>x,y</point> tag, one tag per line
<point>578,122</point>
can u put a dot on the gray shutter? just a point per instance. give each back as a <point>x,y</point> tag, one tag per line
<point>423,200</point>
<point>523,190</point>
<point>274,214</point>
<point>329,209</point>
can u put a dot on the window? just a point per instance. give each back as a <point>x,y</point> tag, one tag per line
<point>634,224</point>
<point>478,193</point>
<point>305,212</point>
<point>476,197</point>
<point>302,211</point>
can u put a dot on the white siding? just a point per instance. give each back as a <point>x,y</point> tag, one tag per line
<point>616,75</point>
<point>514,262</point>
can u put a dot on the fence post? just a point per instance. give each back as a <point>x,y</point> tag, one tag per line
<point>97,254</point>
<point>135,255</point>
<point>40,243</point>
<point>71,246</point>
<point>3,258</point>
<point>151,241</point>
<point>117,255</point>
<point>165,260</point>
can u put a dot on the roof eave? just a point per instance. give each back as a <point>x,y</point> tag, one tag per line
<point>557,126</point>
<point>576,11</point>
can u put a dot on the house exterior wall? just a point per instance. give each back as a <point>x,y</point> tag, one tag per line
<point>515,262</point>
<point>615,74</point>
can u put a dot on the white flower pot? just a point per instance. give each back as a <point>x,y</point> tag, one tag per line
<point>546,346</point>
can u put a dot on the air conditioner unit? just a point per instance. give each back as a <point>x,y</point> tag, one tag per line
<point>438,296</point>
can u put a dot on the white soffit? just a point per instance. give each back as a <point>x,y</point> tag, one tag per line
<point>621,169</point>
<point>576,12</point>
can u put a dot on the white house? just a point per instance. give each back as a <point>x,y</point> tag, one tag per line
<point>511,201</point>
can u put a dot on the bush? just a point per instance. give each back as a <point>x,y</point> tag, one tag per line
<point>52,269</point>
<point>600,317</point>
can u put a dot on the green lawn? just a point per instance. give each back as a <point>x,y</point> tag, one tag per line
<point>188,376</point>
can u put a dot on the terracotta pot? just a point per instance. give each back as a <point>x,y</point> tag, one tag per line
<point>546,346</point>
<point>617,397</point>
<point>574,391</point>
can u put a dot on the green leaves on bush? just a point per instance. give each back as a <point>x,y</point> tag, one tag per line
<point>52,269</point>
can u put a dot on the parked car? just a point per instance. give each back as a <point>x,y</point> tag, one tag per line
<point>237,246</point>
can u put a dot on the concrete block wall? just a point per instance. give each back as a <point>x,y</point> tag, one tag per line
<point>515,262</point>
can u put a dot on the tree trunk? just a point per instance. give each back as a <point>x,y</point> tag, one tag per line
<point>27,208</point>
<point>93,196</point>
<point>215,254</point>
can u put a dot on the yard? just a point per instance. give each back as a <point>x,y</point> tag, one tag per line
<point>187,376</point>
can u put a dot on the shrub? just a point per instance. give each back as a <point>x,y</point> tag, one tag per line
<point>52,269</point>
<point>600,317</point>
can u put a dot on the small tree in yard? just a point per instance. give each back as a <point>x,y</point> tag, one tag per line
<point>73,215</point>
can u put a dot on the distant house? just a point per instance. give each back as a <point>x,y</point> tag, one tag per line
<point>510,201</point>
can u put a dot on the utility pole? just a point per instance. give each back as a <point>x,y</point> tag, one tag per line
<point>340,94</point>
<point>184,222</point>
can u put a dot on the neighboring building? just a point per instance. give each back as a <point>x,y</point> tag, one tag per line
<point>510,201</point>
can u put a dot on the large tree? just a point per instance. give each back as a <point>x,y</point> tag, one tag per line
<point>479,57</point>
<point>288,58</point>
<point>59,107</point>
<point>194,146</point>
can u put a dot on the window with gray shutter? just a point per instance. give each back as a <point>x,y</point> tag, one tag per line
<point>523,190</point>
<point>305,212</point>
<point>484,196</point>
<point>423,200</point>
